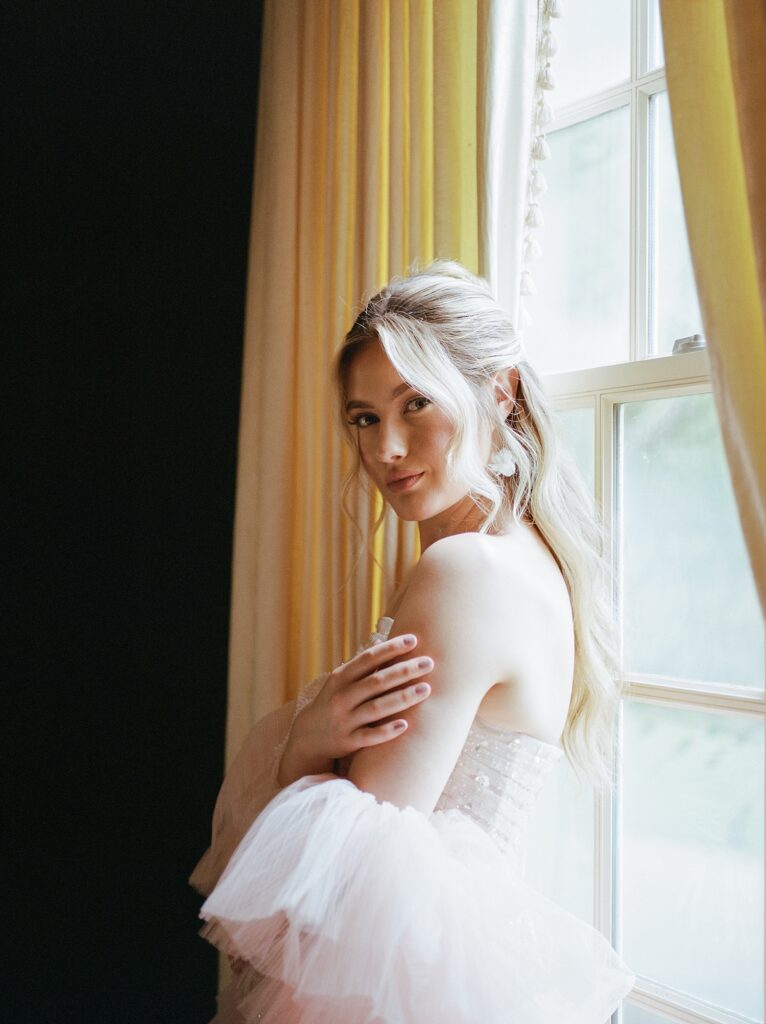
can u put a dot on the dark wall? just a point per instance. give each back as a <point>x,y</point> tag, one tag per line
<point>132,128</point>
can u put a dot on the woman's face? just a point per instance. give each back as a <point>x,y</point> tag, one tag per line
<point>399,431</point>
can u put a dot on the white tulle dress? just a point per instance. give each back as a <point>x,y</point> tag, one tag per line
<point>348,910</point>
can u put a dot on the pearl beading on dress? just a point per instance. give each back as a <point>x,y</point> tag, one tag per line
<point>496,780</point>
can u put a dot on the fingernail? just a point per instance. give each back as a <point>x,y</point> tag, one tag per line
<point>422,688</point>
<point>425,663</point>
<point>408,639</point>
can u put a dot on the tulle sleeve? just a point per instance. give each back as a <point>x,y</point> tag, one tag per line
<point>250,783</point>
<point>349,910</point>
<point>251,780</point>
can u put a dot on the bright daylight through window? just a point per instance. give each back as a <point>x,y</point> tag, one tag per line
<point>674,868</point>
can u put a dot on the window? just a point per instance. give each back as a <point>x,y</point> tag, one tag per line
<point>672,870</point>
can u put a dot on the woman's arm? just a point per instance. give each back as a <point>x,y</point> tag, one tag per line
<point>447,606</point>
<point>304,736</point>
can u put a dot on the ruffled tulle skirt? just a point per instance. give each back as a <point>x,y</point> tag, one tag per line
<point>348,910</point>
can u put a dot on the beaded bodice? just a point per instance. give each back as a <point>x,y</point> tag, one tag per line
<point>497,777</point>
<point>496,781</point>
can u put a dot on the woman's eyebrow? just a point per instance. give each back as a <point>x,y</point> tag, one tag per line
<point>356,403</point>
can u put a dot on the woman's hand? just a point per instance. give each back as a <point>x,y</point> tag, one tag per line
<point>346,713</point>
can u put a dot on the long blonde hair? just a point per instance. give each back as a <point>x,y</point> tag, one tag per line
<point>445,334</point>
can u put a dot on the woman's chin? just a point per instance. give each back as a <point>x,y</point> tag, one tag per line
<point>407,516</point>
<point>410,511</point>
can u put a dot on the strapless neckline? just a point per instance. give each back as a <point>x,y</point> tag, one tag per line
<point>383,628</point>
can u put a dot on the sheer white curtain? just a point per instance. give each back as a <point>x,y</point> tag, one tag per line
<point>521,43</point>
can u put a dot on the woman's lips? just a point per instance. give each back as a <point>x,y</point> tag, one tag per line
<point>406,484</point>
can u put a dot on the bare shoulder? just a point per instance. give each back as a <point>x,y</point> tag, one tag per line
<point>448,605</point>
<point>460,568</point>
<point>505,592</point>
<point>485,571</point>
<point>494,614</point>
<point>458,549</point>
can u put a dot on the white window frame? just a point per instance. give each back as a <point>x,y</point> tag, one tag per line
<point>603,389</point>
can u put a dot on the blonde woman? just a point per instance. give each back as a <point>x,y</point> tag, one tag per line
<point>366,864</point>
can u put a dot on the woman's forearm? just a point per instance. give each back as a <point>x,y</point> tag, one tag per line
<point>296,763</point>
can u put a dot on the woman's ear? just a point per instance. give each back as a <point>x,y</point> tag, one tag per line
<point>506,384</point>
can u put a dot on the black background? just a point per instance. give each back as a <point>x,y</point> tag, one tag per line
<point>129,133</point>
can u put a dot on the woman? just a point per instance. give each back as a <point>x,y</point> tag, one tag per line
<point>367,844</point>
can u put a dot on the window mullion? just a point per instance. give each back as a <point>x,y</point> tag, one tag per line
<point>640,47</point>
<point>605,839</point>
<point>635,327</point>
<point>642,238</point>
<point>634,233</point>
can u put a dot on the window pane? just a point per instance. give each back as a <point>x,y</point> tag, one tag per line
<point>576,429</point>
<point>692,856</point>
<point>580,311</point>
<point>690,607</point>
<point>559,853</point>
<point>673,303</point>
<point>593,49</point>
<point>655,49</point>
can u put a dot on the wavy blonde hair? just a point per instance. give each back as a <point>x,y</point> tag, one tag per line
<point>445,334</point>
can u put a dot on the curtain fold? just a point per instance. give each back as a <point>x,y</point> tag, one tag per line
<point>715,56</point>
<point>381,142</point>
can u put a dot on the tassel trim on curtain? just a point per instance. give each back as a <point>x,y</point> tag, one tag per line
<point>545,80</point>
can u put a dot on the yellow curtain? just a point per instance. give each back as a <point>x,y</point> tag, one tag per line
<point>715,56</point>
<point>369,151</point>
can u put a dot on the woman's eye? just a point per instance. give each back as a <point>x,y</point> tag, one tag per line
<point>357,422</point>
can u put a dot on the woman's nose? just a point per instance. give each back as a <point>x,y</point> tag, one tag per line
<point>391,443</point>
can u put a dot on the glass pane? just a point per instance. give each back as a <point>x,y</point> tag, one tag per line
<point>675,311</point>
<point>655,48</point>
<point>593,50</point>
<point>690,607</point>
<point>692,856</point>
<point>576,429</point>
<point>580,311</point>
<point>559,853</point>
